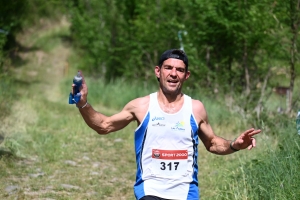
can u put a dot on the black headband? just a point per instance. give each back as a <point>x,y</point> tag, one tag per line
<point>174,53</point>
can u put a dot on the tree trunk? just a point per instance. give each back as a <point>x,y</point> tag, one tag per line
<point>247,75</point>
<point>294,13</point>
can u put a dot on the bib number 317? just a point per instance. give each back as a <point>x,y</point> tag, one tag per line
<point>169,166</point>
<point>168,163</point>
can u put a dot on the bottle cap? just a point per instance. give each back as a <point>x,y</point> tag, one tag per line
<point>78,77</point>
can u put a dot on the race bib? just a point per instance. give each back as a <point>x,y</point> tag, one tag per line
<point>169,163</point>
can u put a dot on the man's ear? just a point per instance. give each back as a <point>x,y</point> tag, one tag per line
<point>157,71</point>
<point>187,75</point>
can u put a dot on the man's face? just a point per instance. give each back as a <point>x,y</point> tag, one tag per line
<point>172,74</point>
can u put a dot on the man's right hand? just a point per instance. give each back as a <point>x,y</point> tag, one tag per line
<point>83,91</point>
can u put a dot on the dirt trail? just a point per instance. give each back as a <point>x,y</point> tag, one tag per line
<point>44,70</point>
<point>64,159</point>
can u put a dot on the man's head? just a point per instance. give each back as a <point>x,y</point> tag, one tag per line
<point>172,71</point>
<point>174,53</point>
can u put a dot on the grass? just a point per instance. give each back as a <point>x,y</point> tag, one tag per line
<point>274,175</point>
<point>50,153</point>
<point>8,90</point>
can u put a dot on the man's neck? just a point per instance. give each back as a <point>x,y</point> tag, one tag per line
<point>170,103</point>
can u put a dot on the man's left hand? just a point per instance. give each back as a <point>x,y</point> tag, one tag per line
<point>246,139</point>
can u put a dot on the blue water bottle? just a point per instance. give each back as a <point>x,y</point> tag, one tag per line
<point>298,122</point>
<point>77,80</point>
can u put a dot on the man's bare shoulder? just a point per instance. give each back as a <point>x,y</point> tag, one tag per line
<point>138,107</point>
<point>197,105</point>
<point>139,102</point>
<point>199,110</point>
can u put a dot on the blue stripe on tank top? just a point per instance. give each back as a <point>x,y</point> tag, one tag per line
<point>139,138</point>
<point>194,190</point>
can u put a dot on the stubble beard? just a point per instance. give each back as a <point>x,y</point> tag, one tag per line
<point>170,92</point>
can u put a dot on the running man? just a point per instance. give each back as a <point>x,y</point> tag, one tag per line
<point>166,139</point>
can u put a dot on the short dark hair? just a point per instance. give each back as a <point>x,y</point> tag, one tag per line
<point>174,53</point>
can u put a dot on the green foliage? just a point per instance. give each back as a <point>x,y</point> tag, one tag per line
<point>16,16</point>
<point>273,175</point>
<point>231,45</point>
<point>8,93</point>
<point>121,38</point>
<point>11,14</point>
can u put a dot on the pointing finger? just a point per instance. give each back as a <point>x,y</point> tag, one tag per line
<point>251,132</point>
<point>254,132</point>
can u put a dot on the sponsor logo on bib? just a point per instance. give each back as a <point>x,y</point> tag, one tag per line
<point>169,154</point>
<point>179,126</point>
<point>158,124</point>
<point>158,118</point>
<point>156,154</point>
<point>169,163</point>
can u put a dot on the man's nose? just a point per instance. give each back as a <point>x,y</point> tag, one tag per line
<point>174,72</point>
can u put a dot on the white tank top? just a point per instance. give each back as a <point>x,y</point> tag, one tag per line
<point>166,147</point>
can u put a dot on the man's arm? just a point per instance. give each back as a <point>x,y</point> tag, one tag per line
<point>216,144</point>
<point>212,142</point>
<point>103,124</point>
